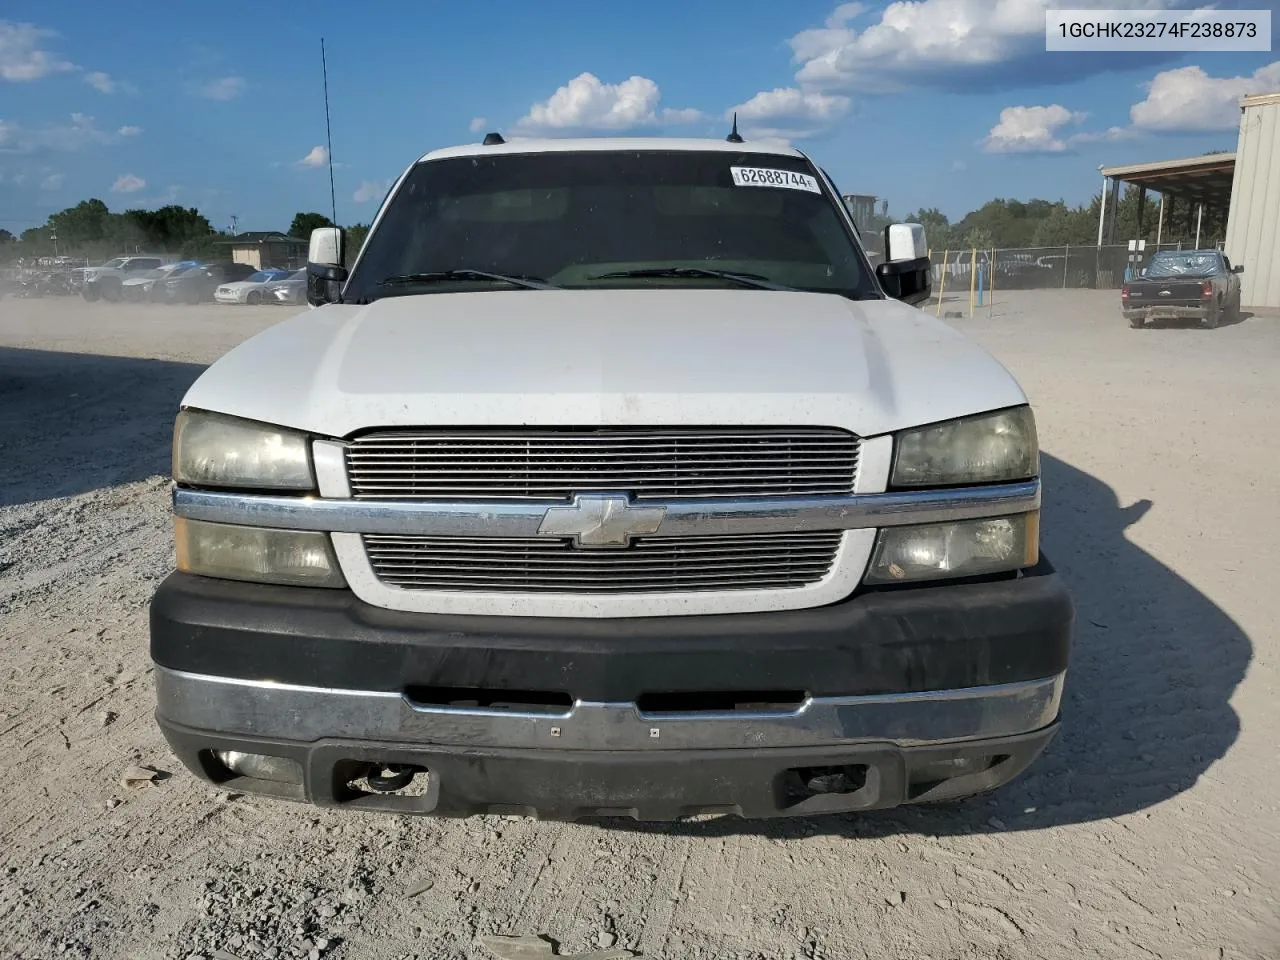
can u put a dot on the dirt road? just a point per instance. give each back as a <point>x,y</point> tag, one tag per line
<point>1150,829</point>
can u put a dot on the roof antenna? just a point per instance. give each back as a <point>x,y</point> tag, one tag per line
<point>734,136</point>
<point>493,139</point>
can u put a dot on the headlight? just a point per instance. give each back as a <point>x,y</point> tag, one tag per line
<point>212,450</point>
<point>969,548</point>
<point>984,449</point>
<point>294,557</point>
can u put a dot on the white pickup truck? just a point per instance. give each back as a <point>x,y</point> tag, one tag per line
<point>611,480</point>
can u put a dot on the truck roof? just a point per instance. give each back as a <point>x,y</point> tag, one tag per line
<point>519,145</point>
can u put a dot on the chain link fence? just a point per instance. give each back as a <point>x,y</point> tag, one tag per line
<point>1043,268</point>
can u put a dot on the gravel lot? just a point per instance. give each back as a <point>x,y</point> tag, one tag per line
<point>1149,829</point>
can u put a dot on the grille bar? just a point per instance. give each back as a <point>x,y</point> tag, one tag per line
<point>649,464</point>
<point>650,564</point>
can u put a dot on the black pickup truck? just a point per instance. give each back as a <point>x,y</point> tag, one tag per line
<point>1183,285</point>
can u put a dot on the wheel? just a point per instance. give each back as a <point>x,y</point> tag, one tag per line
<point>111,292</point>
<point>192,297</point>
<point>1212,316</point>
<point>1137,322</point>
<point>253,299</point>
<point>90,292</point>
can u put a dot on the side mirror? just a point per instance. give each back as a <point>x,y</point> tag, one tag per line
<point>1238,268</point>
<point>907,273</point>
<point>1142,272</point>
<point>325,271</point>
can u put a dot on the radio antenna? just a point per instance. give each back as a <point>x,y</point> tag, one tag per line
<point>328,133</point>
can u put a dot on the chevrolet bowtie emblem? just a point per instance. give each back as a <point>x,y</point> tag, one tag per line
<point>601,520</point>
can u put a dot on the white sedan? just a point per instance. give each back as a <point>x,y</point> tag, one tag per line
<point>248,290</point>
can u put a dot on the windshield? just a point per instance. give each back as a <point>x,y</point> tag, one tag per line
<point>571,218</point>
<point>1168,265</point>
<point>261,276</point>
<point>112,264</point>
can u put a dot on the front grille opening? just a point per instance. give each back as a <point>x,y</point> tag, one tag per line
<point>722,701</point>
<point>804,783</point>
<point>649,463</point>
<point>649,565</point>
<point>551,702</point>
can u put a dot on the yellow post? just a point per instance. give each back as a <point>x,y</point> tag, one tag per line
<point>993,281</point>
<point>942,286</point>
<point>973,278</point>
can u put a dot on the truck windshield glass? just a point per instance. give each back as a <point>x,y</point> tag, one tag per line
<point>603,219</point>
<point>1167,265</point>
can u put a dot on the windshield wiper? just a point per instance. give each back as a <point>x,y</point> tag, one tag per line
<point>742,279</point>
<point>528,283</point>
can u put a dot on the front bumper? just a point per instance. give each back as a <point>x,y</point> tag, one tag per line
<point>630,714</point>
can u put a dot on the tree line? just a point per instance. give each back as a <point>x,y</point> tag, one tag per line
<point>89,230</point>
<point>1043,223</point>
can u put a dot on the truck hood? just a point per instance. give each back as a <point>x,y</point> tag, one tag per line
<point>607,358</point>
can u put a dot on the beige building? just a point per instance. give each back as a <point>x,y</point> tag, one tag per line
<point>263,249</point>
<point>1253,226</point>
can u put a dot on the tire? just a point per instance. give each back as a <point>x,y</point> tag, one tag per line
<point>1137,323</point>
<point>91,292</point>
<point>192,297</point>
<point>111,292</point>
<point>253,299</point>
<point>1212,317</point>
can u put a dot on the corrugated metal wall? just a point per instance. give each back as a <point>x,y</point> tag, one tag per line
<point>1253,224</point>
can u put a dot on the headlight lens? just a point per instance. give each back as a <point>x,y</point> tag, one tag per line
<point>983,449</point>
<point>211,450</point>
<point>969,548</point>
<point>229,552</point>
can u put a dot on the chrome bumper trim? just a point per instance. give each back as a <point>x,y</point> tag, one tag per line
<point>680,517</point>
<point>263,709</point>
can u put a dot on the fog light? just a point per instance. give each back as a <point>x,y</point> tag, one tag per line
<point>259,766</point>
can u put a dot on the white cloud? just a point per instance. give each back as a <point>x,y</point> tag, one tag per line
<point>787,113</point>
<point>128,183</point>
<point>1031,130</point>
<point>83,131</point>
<point>586,104</point>
<point>371,190</point>
<point>935,42</point>
<point>53,182</point>
<point>478,124</point>
<point>22,55</point>
<point>223,88</point>
<point>687,115</point>
<point>1188,99</point>
<point>316,157</point>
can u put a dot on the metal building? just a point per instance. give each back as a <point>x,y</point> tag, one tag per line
<point>1253,224</point>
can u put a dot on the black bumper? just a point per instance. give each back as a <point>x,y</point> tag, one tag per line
<point>938,637</point>
<point>573,785</point>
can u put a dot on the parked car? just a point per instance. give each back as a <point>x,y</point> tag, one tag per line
<point>611,480</point>
<point>1197,285</point>
<point>197,285</point>
<point>104,281</point>
<point>138,289</point>
<point>250,289</point>
<point>290,291</point>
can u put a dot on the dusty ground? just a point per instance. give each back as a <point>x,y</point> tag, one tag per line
<point>1149,829</point>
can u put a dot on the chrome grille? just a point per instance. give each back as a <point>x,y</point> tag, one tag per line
<point>650,564</point>
<point>556,464</point>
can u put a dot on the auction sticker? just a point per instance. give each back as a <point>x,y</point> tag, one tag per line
<point>766,177</point>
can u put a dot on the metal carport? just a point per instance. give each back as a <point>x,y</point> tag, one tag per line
<point>1200,182</point>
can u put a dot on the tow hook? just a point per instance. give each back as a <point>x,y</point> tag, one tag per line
<point>389,777</point>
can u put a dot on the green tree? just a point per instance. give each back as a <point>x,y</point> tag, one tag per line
<point>355,240</point>
<point>304,223</point>
<point>937,228</point>
<point>82,225</point>
<point>170,228</point>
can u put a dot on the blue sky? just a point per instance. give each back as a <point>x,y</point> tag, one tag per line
<point>943,103</point>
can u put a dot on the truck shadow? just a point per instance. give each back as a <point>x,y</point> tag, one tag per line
<point>72,423</point>
<point>1147,706</point>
